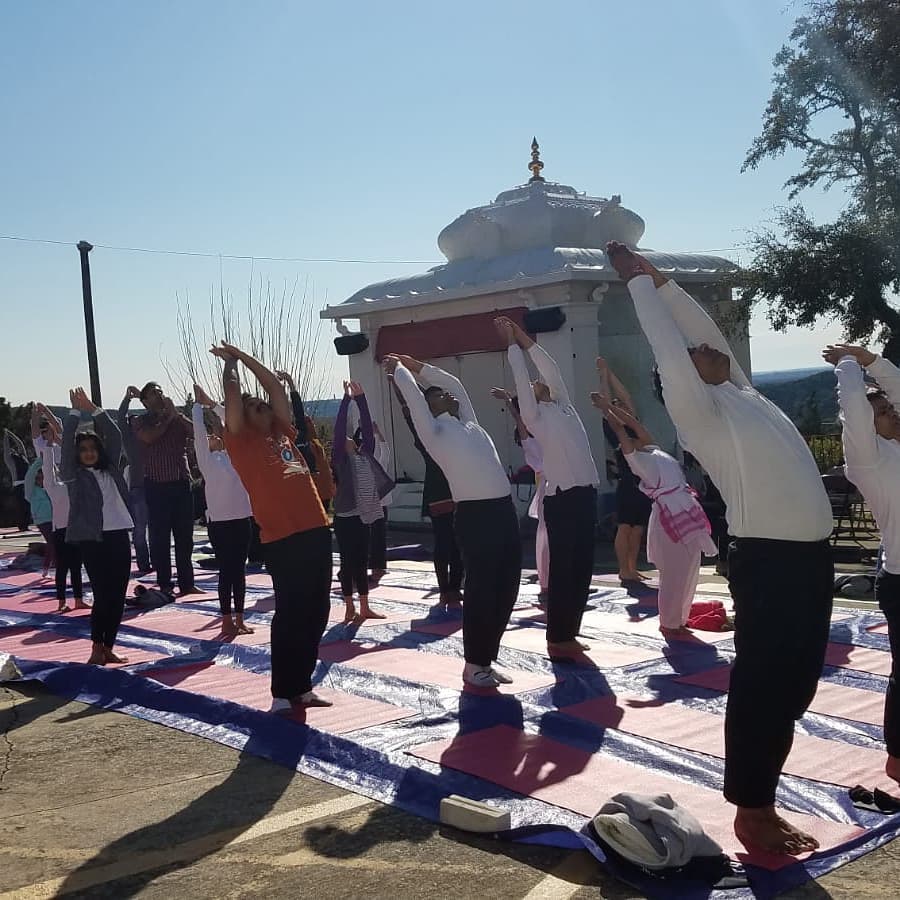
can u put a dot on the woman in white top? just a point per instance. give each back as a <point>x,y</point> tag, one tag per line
<point>534,459</point>
<point>99,520</point>
<point>378,529</point>
<point>678,533</point>
<point>68,556</point>
<point>227,512</point>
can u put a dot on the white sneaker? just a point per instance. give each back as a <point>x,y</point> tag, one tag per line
<point>501,677</point>
<point>280,705</point>
<point>482,678</point>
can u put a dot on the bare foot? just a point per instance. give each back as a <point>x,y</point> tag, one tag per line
<point>764,829</point>
<point>625,577</point>
<point>80,604</point>
<point>242,628</point>
<point>63,609</point>
<point>113,657</point>
<point>561,647</point>
<point>892,768</point>
<point>366,613</point>
<point>349,611</point>
<point>190,592</point>
<point>228,625</point>
<point>98,655</point>
<point>681,631</point>
<point>452,598</point>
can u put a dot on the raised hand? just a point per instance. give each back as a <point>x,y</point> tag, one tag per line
<point>602,366</point>
<point>389,364</point>
<point>601,401</point>
<point>287,379</point>
<point>356,389</point>
<point>506,329</point>
<point>226,352</point>
<point>132,393</point>
<point>623,260</point>
<point>501,394</point>
<point>834,353</point>
<point>201,397</point>
<point>80,401</point>
<point>411,363</point>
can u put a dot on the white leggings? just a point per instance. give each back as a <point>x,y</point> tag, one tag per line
<point>679,570</point>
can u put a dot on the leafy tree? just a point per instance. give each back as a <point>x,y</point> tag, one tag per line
<point>839,72</point>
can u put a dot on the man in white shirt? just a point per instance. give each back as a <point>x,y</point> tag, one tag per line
<point>570,501</point>
<point>871,438</point>
<point>780,518</point>
<point>487,526</point>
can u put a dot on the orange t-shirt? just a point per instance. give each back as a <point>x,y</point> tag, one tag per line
<point>282,492</point>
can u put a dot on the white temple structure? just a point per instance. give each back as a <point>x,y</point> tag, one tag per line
<point>538,245</point>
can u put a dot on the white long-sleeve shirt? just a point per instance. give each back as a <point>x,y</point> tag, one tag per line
<point>461,447</point>
<point>59,493</point>
<point>872,462</point>
<point>226,496</point>
<point>751,450</point>
<point>383,458</point>
<point>568,461</point>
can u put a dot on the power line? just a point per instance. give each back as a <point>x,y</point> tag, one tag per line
<point>243,257</point>
<point>251,257</point>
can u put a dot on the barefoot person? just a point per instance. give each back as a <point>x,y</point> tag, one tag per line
<point>780,518</point>
<point>227,512</point>
<point>99,520</point>
<point>679,532</point>
<point>534,459</point>
<point>438,506</point>
<point>68,556</point>
<point>632,506</point>
<point>361,486</point>
<point>570,502</point>
<point>486,522</point>
<point>871,438</point>
<point>296,540</point>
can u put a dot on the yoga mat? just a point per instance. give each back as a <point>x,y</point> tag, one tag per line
<point>831,699</point>
<point>442,628</point>
<point>336,615</point>
<point>702,732</point>
<point>35,602</point>
<point>603,654</point>
<point>582,781</point>
<point>416,665</point>
<point>863,659</point>
<point>349,713</point>
<point>879,629</point>
<point>647,625</point>
<point>51,645</point>
<point>182,623</point>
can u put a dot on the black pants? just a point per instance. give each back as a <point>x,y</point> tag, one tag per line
<point>21,508</point>
<point>46,530</point>
<point>571,517</point>
<point>300,566</point>
<point>488,533</point>
<point>108,564</point>
<point>170,514</point>
<point>353,545</point>
<point>782,594</point>
<point>887,593</point>
<point>68,562</point>
<point>231,543</point>
<point>448,564</point>
<point>378,543</point>
<point>255,555</point>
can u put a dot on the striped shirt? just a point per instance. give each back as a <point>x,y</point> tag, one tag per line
<point>166,459</point>
<point>368,506</point>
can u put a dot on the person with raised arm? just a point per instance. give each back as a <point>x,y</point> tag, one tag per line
<point>296,539</point>
<point>137,498</point>
<point>780,518</point>
<point>378,541</point>
<point>486,522</point>
<point>570,501</point>
<point>164,434</point>
<point>99,520</point>
<point>16,460</point>
<point>361,486</point>
<point>871,438</point>
<point>68,556</point>
<point>438,506</point>
<point>679,532</point>
<point>534,459</point>
<point>227,512</point>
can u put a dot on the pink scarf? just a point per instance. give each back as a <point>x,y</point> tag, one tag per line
<point>680,514</point>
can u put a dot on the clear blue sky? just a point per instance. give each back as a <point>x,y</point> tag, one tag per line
<point>349,130</point>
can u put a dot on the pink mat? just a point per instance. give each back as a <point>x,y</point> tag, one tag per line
<point>337,615</point>
<point>603,654</point>
<point>831,699</point>
<point>24,580</point>
<point>879,629</point>
<point>583,781</point>
<point>416,665</point>
<point>702,732</point>
<point>349,713</point>
<point>34,602</point>
<point>863,659</point>
<point>445,629</point>
<point>648,626</point>
<point>50,646</point>
<point>181,623</point>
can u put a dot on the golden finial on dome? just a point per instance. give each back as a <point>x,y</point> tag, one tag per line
<point>535,165</point>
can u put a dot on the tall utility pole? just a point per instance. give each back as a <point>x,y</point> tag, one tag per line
<point>83,249</point>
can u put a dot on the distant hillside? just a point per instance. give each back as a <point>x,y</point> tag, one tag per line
<point>809,401</point>
<point>767,378</point>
